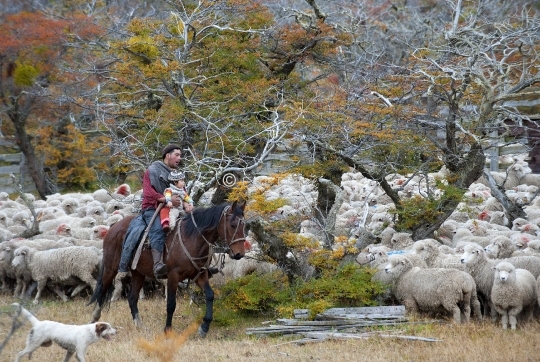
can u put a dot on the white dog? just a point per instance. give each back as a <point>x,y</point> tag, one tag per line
<point>75,339</point>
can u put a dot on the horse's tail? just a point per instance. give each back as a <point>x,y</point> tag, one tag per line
<point>100,296</point>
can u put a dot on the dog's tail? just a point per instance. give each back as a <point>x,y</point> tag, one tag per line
<point>26,314</point>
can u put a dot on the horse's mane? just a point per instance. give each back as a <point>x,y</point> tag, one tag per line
<point>206,218</point>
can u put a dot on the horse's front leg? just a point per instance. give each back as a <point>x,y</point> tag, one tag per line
<point>172,286</point>
<point>203,283</point>
<point>137,282</point>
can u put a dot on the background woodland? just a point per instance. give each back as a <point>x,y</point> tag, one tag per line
<point>90,92</point>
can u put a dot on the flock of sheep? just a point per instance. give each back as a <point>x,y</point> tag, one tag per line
<point>478,265</point>
<point>68,252</point>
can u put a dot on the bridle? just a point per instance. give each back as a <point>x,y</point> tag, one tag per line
<point>229,243</point>
<point>212,246</point>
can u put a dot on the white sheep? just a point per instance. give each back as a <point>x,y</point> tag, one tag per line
<point>23,276</point>
<point>5,235</point>
<point>492,204</point>
<point>521,240</point>
<point>233,269</point>
<point>11,207</point>
<point>432,288</point>
<point>7,273</point>
<point>533,248</point>
<point>448,250</point>
<point>22,218</point>
<point>60,266</point>
<point>114,218</point>
<point>373,255</point>
<point>5,221</point>
<point>70,205</point>
<point>446,231</point>
<point>95,211</point>
<point>429,251</point>
<point>102,196</point>
<point>113,205</point>
<point>459,216</point>
<point>400,241</point>
<point>518,223</point>
<point>513,293</point>
<point>498,218</point>
<point>4,196</point>
<point>481,268</point>
<point>386,235</point>
<point>376,256</point>
<point>500,247</point>
<point>463,234</point>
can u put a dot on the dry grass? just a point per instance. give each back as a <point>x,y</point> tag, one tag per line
<point>472,342</point>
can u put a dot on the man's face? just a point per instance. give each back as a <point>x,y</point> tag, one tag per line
<point>173,159</point>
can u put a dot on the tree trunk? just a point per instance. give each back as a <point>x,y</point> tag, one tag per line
<point>468,170</point>
<point>272,246</point>
<point>220,195</point>
<point>513,210</point>
<point>43,185</point>
<point>334,198</point>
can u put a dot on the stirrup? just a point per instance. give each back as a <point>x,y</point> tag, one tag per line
<point>160,271</point>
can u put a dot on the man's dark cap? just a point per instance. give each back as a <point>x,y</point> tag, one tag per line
<point>168,149</point>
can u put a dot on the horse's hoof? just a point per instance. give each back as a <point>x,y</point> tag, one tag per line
<point>202,333</point>
<point>138,322</point>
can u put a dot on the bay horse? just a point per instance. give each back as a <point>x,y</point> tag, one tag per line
<point>187,253</point>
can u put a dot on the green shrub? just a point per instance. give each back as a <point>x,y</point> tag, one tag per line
<point>272,294</point>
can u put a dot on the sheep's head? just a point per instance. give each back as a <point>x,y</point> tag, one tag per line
<point>5,252</point>
<point>3,218</point>
<point>20,255</point>
<point>472,252</point>
<point>365,258</point>
<point>400,240</point>
<point>492,250</point>
<point>397,264</point>
<point>518,223</point>
<point>484,215</point>
<point>63,229</point>
<point>87,222</point>
<point>504,271</point>
<point>534,246</point>
<point>124,190</point>
<point>98,232</point>
<point>425,248</point>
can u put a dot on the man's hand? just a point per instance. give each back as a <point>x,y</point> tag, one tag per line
<point>188,208</point>
<point>176,201</point>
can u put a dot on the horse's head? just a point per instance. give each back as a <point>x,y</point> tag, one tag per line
<point>233,228</point>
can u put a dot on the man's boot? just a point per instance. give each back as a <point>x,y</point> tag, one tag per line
<point>160,269</point>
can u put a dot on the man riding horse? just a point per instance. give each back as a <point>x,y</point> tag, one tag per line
<point>154,184</point>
